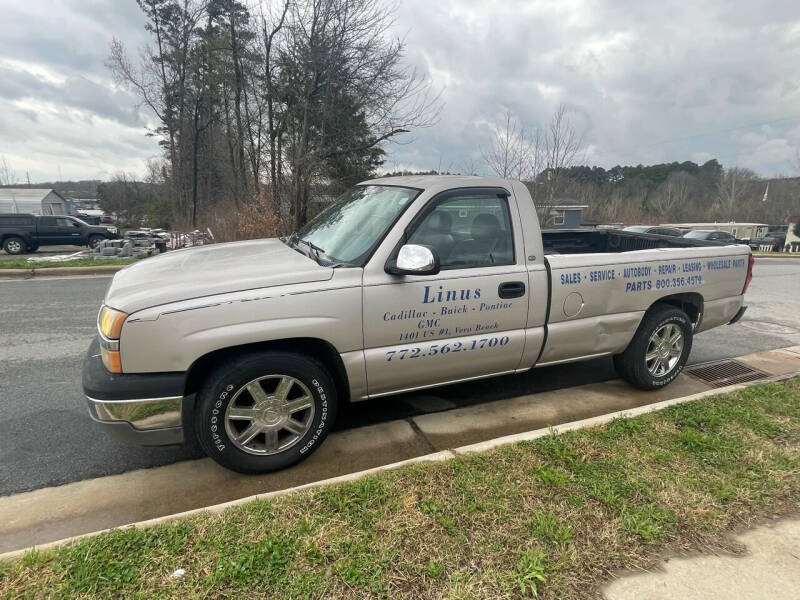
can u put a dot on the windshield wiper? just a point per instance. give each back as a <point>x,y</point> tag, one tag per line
<point>315,251</point>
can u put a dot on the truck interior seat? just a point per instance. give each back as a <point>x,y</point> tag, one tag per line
<point>488,244</point>
<point>437,232</point>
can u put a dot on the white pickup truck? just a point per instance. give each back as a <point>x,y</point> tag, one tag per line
<point>402,283</point>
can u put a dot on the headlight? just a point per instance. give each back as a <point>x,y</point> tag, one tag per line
<point>111,229</point>
<point>110,321</point>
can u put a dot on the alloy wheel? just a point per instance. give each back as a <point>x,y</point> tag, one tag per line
<point>269,415</point>
<point>664,350</point>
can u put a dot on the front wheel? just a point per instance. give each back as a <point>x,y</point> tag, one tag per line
<point>14,245</point>
<point>94,241</point>
<point>262,412</point>
<point>659,349</point>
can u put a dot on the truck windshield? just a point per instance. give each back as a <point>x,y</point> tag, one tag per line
<point>350,228</point>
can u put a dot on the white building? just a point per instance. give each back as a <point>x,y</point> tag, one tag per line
<point>32,201</point>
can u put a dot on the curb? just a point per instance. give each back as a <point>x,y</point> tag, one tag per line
<point>434,457</point>
<point>59,271</point>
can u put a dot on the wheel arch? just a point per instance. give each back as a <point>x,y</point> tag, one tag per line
<point>689,302</point>
<point>315,347</point>
<point>22,236</point>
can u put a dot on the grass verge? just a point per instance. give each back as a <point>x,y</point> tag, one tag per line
<point>758,253</point>
<point>550,518</point>
<point>22,263</point>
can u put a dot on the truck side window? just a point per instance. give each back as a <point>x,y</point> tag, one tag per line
<point>468,231</point>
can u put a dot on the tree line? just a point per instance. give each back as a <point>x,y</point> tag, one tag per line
<point>548,160</point>
<point>682,192</point>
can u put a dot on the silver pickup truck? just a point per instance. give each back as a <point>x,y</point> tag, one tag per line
<point>402,283</point>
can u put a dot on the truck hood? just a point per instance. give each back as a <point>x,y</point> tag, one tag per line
<point>210,270</point>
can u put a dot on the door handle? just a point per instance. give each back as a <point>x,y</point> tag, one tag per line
<point>511,289</point>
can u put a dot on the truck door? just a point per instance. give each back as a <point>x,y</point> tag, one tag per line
<point>465,322</point>
<point>49,231</point>
<point>70,231</point>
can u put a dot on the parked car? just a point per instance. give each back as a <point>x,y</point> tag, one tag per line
<point>21,233</point>
<point>776,240</point>
<point>403,283</point>
<point>712,236</point>
<point>655,229</point>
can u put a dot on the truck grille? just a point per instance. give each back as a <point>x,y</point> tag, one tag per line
<point>719,373</point>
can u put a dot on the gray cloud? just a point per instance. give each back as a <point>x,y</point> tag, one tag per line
<point>646,82</point>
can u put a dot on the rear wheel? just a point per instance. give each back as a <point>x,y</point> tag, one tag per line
<point>262,412</point>
<point>659,349</point>
<point>14,245</point>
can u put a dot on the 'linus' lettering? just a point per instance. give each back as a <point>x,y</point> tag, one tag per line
<point>442,295</point>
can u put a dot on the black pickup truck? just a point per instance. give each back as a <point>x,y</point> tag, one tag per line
<point>25,232</point>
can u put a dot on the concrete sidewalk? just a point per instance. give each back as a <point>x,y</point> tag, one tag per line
<point>769,568</point>
<point>50,514</point>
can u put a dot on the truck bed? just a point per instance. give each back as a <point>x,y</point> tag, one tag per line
<point>588,241</point>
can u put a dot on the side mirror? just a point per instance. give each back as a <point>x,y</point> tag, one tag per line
<point>414,259</point>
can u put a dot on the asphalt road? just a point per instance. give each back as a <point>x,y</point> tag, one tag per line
<point>46,325</point>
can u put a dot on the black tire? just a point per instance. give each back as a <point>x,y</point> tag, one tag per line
<point>632,364</point>
<point>229,381</point>
<point>94,240</point>
<point>14,245</point>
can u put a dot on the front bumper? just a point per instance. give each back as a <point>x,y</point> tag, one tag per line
<point>144,409</point>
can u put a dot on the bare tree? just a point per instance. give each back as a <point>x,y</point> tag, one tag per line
<point>350,91</point>
<point>731,191</point>
<point>516,152</point>
<point>557,149</point>
<point>673,195</point>
<point>797,158</point>
<point>270,28</point>
<point>538,157</point>
<point>469,166</point>
<point>7,174</point>
<point>562,144</point>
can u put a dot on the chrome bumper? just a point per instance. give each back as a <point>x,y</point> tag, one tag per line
<point>145,409</point>
<point>143,414</point>
<point>144,422</point>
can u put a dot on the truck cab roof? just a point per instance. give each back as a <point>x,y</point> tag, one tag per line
<point>445,182</point>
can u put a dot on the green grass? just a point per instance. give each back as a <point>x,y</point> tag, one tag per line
<point>550,518</point>
<point>22,263</point>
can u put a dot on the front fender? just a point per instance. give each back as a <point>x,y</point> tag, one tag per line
<point>173,337</point>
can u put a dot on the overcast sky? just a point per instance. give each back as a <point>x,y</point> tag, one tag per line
<point>645,81</point>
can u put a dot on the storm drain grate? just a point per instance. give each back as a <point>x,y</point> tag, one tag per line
<point>720,373</point>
